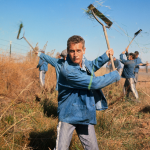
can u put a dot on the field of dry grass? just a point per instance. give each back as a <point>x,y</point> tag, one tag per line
<point>28,114</point>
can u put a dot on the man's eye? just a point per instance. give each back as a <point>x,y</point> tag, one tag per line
<point>78,51</point>
<point>71,51</point>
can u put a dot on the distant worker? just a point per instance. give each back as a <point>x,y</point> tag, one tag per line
<point>108,69</point>
<point>117,65</point>
<point>138,63</point>
<point>42,65</point>
<point>55,62</point>
<point>128,74</point>
<point>146,67</point>
<point>58,55</point>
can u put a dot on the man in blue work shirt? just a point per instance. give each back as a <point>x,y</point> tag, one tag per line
<point>128,74</point>
<point>42,65</point>
<point>80,95</point>
<point>55,62</point>
<point>138,63</point>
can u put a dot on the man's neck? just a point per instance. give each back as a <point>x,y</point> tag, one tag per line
<point>80,64</point>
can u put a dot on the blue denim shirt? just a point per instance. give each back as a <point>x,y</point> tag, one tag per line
<point>80,91</point>
<point>137,62</point>
<point>57,63</point>
<point>42,65</point>
<point>128,69</point>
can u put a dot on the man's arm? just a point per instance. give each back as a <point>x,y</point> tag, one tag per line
<point>79,80</point>
<point>141,64</point>
<point>101,60</point>
<point>48,59</point>
<point>121,57</point>
<point>126,52</point>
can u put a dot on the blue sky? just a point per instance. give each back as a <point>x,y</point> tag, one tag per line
<point>56,21</point>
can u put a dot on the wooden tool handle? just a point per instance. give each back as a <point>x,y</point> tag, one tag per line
<point>29,44</point>
<point>108,46</point>
<point>131,42</point>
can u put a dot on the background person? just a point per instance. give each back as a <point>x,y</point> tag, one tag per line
<point>55,62</point>
<point>138,63</point>
<point>42,65</point>
<point>117,65</point>
<point>128,74</point>
<point>108,69</point>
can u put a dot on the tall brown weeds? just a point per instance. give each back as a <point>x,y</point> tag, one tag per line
<point>29,114</point>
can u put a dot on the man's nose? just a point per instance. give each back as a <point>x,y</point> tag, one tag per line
<point>75,54</point>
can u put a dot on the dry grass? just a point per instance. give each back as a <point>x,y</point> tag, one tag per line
<point>31,120</point>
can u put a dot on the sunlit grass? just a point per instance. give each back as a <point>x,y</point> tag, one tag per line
<point>31,120</point>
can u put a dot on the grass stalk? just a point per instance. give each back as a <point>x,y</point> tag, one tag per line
<point>16,98</point>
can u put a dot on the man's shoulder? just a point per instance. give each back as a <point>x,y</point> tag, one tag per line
<point>60,61</point>
<point>69,68</point>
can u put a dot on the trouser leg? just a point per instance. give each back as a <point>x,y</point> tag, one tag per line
<point>120,71</point>
<point>133,88</point>
<point>64,135</point>
<point>42,77</point>
<point>87,136</point>
<point>136,77</point>
<point>126,88</point>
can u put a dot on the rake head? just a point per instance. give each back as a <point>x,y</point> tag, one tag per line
<point>99,14</point>
<point>20,27</point>
<point>135,34</point>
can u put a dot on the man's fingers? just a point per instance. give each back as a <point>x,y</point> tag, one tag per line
<point>110,52</point>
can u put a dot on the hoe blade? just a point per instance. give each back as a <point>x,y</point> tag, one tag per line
<point>100,15</point>
<point>135,34</point>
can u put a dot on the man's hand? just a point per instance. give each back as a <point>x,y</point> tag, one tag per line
<point>36,52</point>
<point>124,52</point>
<point>110,52</point>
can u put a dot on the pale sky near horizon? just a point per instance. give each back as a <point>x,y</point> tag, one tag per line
<point>56,21</point>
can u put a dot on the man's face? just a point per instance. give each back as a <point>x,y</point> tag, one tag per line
<point>136,56</point>
<point>114,59</point>
<point>130,57</point>
<point>76,52</point>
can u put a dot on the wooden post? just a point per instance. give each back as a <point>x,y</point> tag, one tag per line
<point>10,47</point>
<point>146,67</point>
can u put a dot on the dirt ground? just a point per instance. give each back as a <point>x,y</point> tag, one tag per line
<point>144,83</point>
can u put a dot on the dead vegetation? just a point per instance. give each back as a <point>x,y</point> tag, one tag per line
<point>29,114</point>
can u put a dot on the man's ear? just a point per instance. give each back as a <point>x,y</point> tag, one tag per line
<point>84,50</point>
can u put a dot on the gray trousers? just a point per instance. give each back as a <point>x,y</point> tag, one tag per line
<point>129,86</point>
<point>136,77</point>
<point>86,135</point>
<point>42,77</point>
<point>120,71</point>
